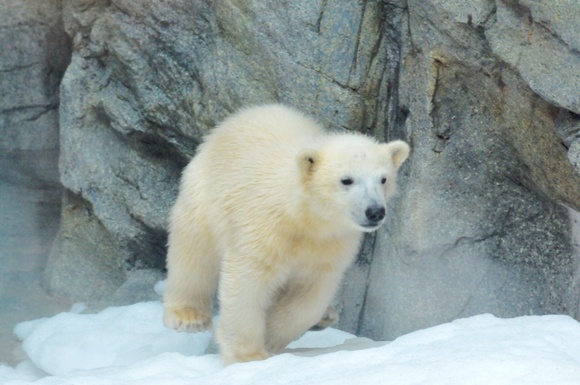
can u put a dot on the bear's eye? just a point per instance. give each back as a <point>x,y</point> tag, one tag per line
<point>346,181</point>
<point>383,180</point>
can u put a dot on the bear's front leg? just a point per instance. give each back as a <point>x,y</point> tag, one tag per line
<point>245,296</point>
<point>192,275</point>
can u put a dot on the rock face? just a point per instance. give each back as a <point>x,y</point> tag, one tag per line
<point>482,224</point>
<point>34,54</point>
<point>484,91</point>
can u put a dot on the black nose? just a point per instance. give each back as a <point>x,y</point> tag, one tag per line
<point>375,213</point>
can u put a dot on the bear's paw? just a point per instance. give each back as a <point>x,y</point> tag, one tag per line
<point>187,319</point>
<point>244,356</point>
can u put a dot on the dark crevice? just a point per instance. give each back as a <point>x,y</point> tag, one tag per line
<point>32,107</point>
<point>320,16</point>
<point>41,113</point>
<point>441,134</point>
<point>490,18</point>
<point>383,98</point>
<point>568,127</point>
<point>148,250</point>
<point>20,67</point>
<point>329,78</point>
<point>155,143</point>
<point>364,261</point>
<point>354,63</point>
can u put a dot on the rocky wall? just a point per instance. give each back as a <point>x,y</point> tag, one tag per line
<point>484,91</point>
<point>34,54</point>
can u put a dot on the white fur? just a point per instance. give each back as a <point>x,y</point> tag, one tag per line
<point>262,210</point>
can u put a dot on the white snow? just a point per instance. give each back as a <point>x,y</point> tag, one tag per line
<point>129,345</point>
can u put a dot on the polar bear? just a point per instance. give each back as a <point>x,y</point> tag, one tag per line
<point>273,208</point>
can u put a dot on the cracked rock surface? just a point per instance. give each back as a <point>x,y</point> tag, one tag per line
<point>33,56</point>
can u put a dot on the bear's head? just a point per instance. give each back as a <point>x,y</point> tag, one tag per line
<point>348,178</point>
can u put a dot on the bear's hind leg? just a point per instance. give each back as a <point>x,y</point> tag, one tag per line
<point>301,308</point>
<point>192,276</point>
<point>329,318</point>
<point>245,297</point>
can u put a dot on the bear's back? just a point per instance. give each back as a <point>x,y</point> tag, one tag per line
<point>258,144</point>
<point>247,166</point>
<point>264,128</point>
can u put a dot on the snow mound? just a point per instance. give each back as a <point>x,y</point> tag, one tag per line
<point>117,336</point>
<point>129,345</point>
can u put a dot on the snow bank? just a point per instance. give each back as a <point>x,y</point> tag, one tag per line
<point>128,345</point>
<point>117,336</point>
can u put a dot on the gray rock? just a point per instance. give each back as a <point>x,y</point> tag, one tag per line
<point>137,287</point>
<point>574,154</point>
<point>476,227</point>
<point>29,220</point>
<point>548,62</point>
<point>475,13</point>
<point>568,126</point>
<point>484,239</point>
<point>34,53</point>
<point>561,19</point>
<point>84,261</point>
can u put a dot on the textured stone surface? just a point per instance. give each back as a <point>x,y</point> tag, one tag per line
<point>568,125</point>
<point>536,38</point>
<point>30,198</point>
<point>484,91</point>
<point>478,226</point>
<point>33,56</point>
<point>74,269</point>
<point>574,154</point>
<point>482,240</point>
<point>34,53</point>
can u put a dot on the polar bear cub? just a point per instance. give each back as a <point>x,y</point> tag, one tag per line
<point>273,208</point>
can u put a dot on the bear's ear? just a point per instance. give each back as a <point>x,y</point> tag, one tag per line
<point>398,151</point>
<point>307,161</point>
